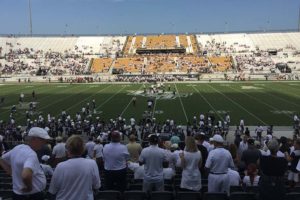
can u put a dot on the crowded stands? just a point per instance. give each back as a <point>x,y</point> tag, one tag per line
<point>196,159</point>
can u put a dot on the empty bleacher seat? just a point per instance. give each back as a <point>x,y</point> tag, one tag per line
<point>214,196</point>
<point>108,195</point>
<point>162,196</point>
<point>188,195</point>
<point>135,195</point>
<point>242,196</point>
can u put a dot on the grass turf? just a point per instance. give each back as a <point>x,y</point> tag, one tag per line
<point>256,102</point>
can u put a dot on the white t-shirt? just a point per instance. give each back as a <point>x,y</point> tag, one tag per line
<point>99,150</point>
<point>234,177</point>
<point>247,181</point>
<point>90,148</point>
<point>139,171</point>
<point>59,150</point>
<point>115,156</point>
<point>20,157</point>
<point>219,160</point>
<point>168,173</point>
<point>153,158</point>
<point>298,166</point>
<point>75,179</point>
<point>47,170</point>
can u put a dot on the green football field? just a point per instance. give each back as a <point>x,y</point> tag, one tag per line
<point>262,103</point>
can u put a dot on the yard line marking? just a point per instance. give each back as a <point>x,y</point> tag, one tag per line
<point>87,98</point>
<point>239,105</point>
<point>124,110</point>
<point>207,102</point>
<point>107,100</point>
<point>154,107</point>
<point>258,100</point>
<point>187,119</point>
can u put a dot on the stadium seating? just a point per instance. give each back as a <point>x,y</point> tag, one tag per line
<point>101,65</point>
<point>129,65</point>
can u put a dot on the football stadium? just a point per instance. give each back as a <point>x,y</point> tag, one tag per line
<point>148,116</point>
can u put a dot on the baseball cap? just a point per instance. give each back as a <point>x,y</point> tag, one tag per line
<point>45,157</point>
<point>39,132</point>
<point>218,138</point>
<point>174,146</point>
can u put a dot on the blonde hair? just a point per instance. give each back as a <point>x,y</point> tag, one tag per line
<point>190,144</point>
<point>75,145</point>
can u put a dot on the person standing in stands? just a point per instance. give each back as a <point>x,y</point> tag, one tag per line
<point>59,151</point>
<point>153,158</point>
<point>218,162</point>
<point>22,163</point>
<point>134,149</point>
<point>115,156</point>
<point>190,161</point>
<point>98,153</point>
<point>75,178</point>
<point>272,183</point>
<point>90,147</point>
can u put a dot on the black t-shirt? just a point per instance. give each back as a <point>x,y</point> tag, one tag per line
<point>295,156</point>
<point>250,156</point>
<point>273,166</point>
<point>204,153</point>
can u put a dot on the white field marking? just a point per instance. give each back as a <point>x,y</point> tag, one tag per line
<point>107,100</point>
<point>225,85</point>
<point>211,106</point>
<point>293,84</point>
<point>258,100</point>
<point>124,110</point>
<point>191,85</point>
<point>219,111</point>
<point>61,86</point>
<point>187,119</point>
<point>29,86</point>
<point>93,86</point>
<point>159,112</point>
<point>154,107</point>
<point>87,97</point>
<point>282,99</point>
<point>259,84</point>
<point>55,102</point>
<point>246,87</point>
<point>284,112</point>
<point>239,105</point>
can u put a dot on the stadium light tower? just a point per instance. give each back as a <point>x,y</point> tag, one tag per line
<point>30,19</point>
